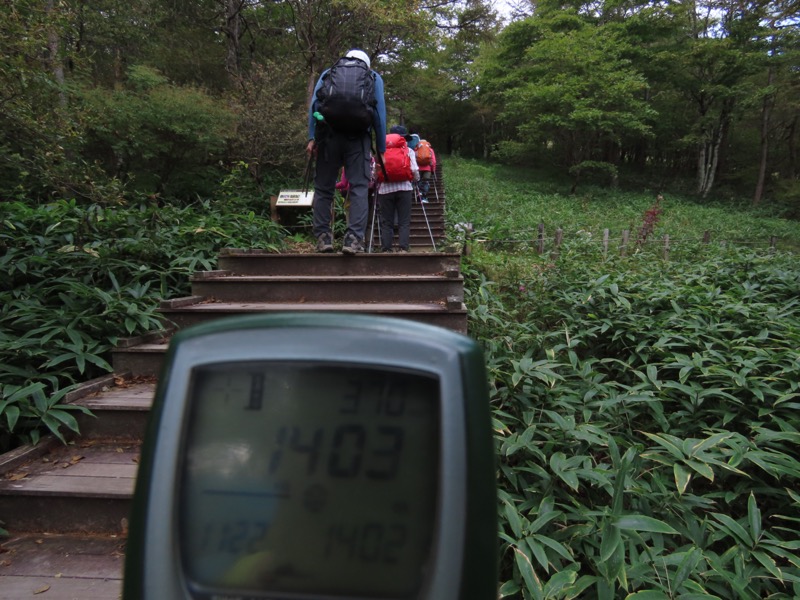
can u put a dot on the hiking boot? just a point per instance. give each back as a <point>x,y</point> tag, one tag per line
<point>352,245</point>
<point>386,250</point>
<point>324,242</point>
<point>403,251</point>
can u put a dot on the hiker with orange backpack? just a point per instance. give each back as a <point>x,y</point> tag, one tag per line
<point>426,161</point>
<point>396,188</point>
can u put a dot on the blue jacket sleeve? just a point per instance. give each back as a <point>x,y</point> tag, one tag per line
<point>379,116</point>
<point>312,122</point>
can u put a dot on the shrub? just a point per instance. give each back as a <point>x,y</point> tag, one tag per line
<point>157,137</point>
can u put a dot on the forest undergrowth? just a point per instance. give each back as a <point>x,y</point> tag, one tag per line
<point>645,410</point>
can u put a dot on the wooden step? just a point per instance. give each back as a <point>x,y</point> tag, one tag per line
<point>146,359</point>
<point>120,407</point>
<point>261,262</point>
<point>334,290</point>
<point>62,566</point>
<point>81,487</point>
<point>450,317</point>
<point>415,241</point>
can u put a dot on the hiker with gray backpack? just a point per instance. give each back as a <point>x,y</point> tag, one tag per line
<point>346,106</point>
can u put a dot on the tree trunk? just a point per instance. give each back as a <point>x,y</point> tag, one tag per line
<point>792,146</point>
<point>710,150</point>
<point>766,110</point>
<point>233,23</point>
<point>54,55</point>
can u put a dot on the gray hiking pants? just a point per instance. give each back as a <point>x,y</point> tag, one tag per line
<point>334,151</point>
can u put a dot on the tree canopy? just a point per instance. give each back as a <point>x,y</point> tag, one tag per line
<point>102,99</point>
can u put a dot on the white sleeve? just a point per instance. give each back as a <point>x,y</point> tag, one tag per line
<point>414,168</point>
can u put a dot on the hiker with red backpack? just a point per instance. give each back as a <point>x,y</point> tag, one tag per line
<point>346,106</point>
<point>396,188</point>
<point>426,161</point>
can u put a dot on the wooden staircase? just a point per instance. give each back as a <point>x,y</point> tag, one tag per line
<point>66,507</point>
<point>422,286</point>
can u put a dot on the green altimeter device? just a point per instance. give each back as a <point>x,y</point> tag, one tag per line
<point>316,456</point>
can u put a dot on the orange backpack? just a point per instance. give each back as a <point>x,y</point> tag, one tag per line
<point>396,160</point>
<point>424,153</point>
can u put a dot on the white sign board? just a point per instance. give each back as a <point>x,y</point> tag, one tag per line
<point>295,198</point>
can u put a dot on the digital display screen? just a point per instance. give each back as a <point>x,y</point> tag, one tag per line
<point>307,478</point>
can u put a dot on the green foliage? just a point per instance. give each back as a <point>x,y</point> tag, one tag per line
<point>507,204</point>
<point>74,278</point>
<point>666,90</point>
<point>645,411</point>
<point>162,138</point>
<point>573,88</point>
<point>271,129</point>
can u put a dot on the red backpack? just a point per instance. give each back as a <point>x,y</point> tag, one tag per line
<point>424,153</point>
<point>396,160</point>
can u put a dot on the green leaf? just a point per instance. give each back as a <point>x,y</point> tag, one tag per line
<point>513,518</point>
<point>754,517</point>
<point>525,567</point>
<point>509,588</point>
<point>701,468</point>
<point>66,418</point>
<point>610,541</point>
<point>539,554</point>
<point>669,442</point>
<point>643,523</point>
<point>25,392</point>
<point>769,564</point>
<point>734,529</point>
<point>686,568</point>
<point>543,520</point>
<point>554,545</point>
<point>54,426</point>
<point>682,477</point>
<point>558,582</point>
<point>12,416</point>
<point>709,442</point>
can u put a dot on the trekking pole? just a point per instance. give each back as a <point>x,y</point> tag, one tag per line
<point>425,214</point>
<point>307,174</point>
<point>374,218</point>
<point>435,185</point>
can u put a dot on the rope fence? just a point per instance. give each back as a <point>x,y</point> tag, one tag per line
<point>540,242</point>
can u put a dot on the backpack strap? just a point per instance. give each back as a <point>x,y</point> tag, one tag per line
<point>380,162</point>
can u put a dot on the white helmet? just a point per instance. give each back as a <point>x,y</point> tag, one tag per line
<point>359,54</point>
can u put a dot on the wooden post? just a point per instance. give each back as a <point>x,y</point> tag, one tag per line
<point>666,247</point>
<point>623,249</point>
<point>273,208</point>
<point>773,244</point>
<point>540,239</point>
<point>605,243</point>
<point>706,236</point>
<point>557,244</point>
